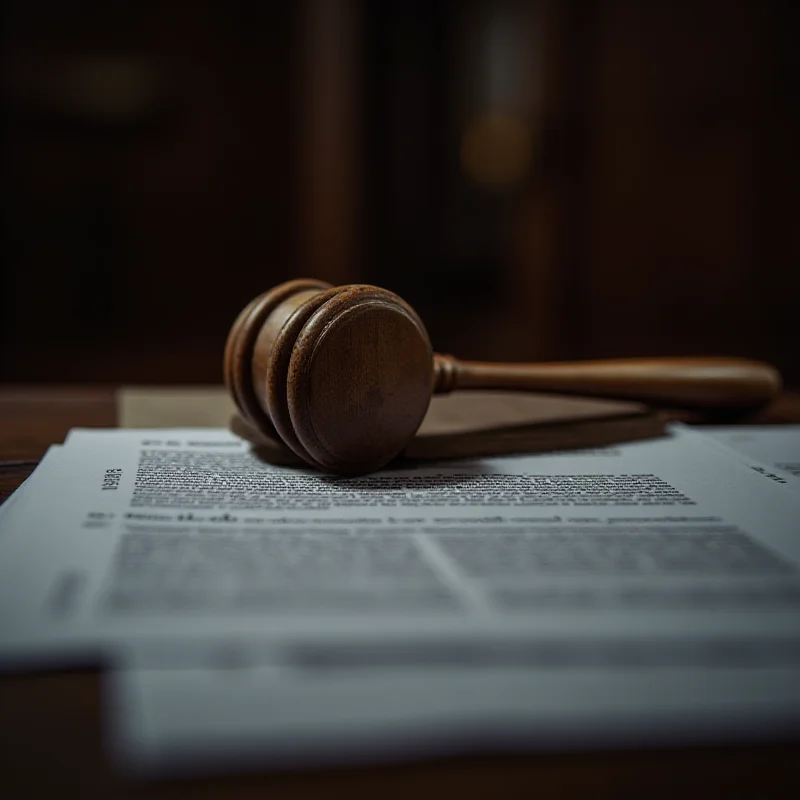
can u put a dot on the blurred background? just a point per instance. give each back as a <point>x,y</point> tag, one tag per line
<point>545,179</point>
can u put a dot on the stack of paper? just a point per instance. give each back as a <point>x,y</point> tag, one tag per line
<point>255,615</point>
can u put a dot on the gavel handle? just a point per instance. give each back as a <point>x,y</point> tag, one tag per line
<point>701,383</point>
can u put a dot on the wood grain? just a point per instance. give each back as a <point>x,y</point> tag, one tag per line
<point>714,383</point>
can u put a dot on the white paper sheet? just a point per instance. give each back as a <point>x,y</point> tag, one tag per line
<point>274,713</point>
<point>644,593</point>
<point>776,446</point>
<point>138,534</point>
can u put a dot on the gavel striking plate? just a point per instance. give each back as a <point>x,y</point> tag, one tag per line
<point>343,375</point>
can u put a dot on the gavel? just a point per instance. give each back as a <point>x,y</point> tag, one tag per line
<point>344,375</point>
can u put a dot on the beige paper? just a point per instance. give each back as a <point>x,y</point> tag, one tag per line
<point>463,424</point>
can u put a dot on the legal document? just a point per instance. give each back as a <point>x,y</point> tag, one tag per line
<point>279,707</point>
<point>137,533</point>
<point>644,592</point>
<point>773,446</point>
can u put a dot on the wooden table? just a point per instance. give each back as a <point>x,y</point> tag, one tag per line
<point>51,739</point>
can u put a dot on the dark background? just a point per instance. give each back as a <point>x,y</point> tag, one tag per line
<point>543,179</point>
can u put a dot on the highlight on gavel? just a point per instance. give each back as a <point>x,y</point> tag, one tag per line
<point>344,375</point>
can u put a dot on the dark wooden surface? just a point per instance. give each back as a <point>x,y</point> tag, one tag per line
<point>51,735</point>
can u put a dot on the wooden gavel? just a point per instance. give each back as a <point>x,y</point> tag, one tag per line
<point>343,375</point>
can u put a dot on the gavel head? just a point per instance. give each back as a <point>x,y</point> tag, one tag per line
<point>341,375</point>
